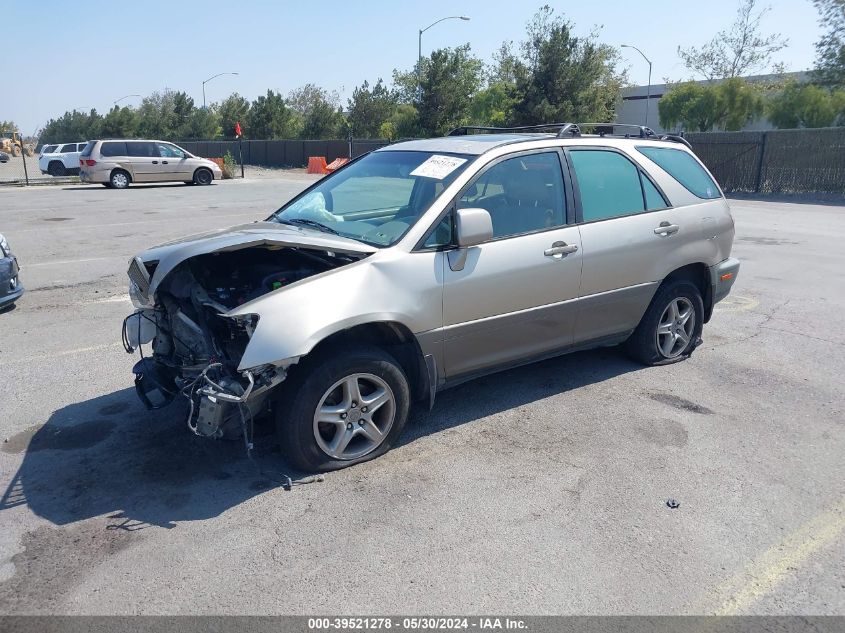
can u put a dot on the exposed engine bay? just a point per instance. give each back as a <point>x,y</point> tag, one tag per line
<point>196,347</point>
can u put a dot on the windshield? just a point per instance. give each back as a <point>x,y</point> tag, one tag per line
<point>377,198</point>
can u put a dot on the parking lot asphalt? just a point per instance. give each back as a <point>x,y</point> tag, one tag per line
<point>540,490</point>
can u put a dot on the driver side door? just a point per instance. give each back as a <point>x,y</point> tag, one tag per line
<point>515,297</point>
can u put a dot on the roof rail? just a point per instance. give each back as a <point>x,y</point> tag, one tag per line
<point>609,129</point>
<point>466,129</point>
<point>575,130</point>
<point>677,138</point>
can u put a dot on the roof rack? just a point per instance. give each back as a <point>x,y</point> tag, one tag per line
<point>575,130</point>
<point>466,129</point>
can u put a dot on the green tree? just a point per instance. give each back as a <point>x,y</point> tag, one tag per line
<point>271,118</point>
<point>403,123</point>
<point>494,105</point>
<point>201,124</point>
<point>120,123</point>
<point>805,105</point>
<point>165,115</point>
<point>739,103</point>
<point>370,108</point>
<point>72,126</point>
<point>233,109</point>
<point>728,105</point>
<point>323,120</point>
<point>562,77</point>
<point>690,106</point>
<point>8,125</point>
<point>830,49</point>
<point>739,51</point>
<point>451,77</point>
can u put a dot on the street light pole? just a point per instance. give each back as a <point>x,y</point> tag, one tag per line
<point>116,101</point>
<point>206,81</point>
<point>419,48</point>
<point>648,90</point>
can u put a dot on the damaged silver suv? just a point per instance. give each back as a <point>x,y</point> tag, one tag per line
<point>422,265</point>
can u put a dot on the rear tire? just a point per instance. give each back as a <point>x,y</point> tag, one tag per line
<point>342,408</point>
<point>56,169</point>
<point>670,329</point>
<point>203,176</point>
<point>119,179</point>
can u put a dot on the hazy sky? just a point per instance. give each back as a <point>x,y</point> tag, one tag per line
<point>61,55</point>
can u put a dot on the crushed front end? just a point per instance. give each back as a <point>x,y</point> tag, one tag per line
<point>196,345</point>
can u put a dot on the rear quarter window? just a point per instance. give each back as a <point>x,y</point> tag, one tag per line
<point>685,169</point>
<point>113,148</point>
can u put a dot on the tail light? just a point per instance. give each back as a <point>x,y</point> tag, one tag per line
<point>88,162</point>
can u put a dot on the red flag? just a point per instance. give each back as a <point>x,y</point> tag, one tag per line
<point>238,129</point>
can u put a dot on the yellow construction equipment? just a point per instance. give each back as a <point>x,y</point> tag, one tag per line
<point>12,143</point>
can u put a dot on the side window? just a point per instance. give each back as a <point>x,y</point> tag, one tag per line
<point>685,169</point>
<point>143,149</point>
<point>522,194</point>
<point>70,147</point>
<point>170,151</point>
<point>609,184</point>
<point>653,198</point>
<point>442,234</point>
<point>113,148</point>
<point>81,146</point>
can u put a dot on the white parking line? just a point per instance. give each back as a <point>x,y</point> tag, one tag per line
<point>59,262</point>
<point>53,355</point>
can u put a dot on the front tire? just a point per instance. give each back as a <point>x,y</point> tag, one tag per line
<point>342,408</point>
<point>203,176</point>
<point>671,327</point>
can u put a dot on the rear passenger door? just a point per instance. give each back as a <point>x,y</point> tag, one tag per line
<point>143,156</point>
<point>628,233</point>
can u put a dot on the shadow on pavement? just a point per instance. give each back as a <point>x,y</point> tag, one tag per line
<point>110,456</point>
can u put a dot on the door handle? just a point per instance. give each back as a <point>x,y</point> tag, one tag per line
<point>164,162</point>
<point>665,229</point>
<point>560,249</point>
<point>155,162</point>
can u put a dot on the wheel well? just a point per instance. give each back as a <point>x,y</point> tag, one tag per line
<point>395,338</point>
<point>54,161</point>
<point>699,274</point>
<point>198,169</point>
<point>111,173</point>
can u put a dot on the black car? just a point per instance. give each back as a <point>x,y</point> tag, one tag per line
<point>11,288</point>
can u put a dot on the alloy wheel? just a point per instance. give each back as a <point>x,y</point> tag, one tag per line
<point>354,416</point>
<point>676,327</point>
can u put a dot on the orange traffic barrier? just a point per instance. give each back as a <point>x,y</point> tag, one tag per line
<point>317,165</point>
<point>219,161</point>
<point>337,163</point>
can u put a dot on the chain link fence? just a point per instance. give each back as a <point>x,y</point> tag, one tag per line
<point>777,161</point>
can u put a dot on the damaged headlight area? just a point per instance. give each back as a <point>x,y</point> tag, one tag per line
<point>197,347</point>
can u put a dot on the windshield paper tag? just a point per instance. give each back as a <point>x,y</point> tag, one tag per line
<point>438,167</point>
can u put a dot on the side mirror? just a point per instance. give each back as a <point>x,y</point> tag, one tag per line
<point>473,226</point>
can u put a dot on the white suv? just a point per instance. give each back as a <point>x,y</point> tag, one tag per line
<point>62,161</point>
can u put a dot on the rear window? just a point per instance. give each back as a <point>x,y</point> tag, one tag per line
<point>685,169</point>
<point>141,148</point>
<point>88,148</point>
<point>113,148</point>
